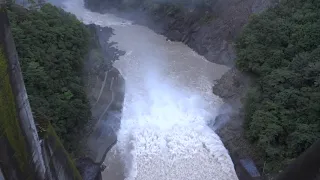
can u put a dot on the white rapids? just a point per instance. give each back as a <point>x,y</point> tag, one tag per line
<point>168,103</point>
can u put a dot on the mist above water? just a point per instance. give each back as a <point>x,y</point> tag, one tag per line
<point>168,103</point>
<point>164,134</point>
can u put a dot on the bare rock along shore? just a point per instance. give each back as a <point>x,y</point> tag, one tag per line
<point>211,31</point>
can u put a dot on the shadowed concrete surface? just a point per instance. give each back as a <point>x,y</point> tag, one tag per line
<point>23,155</point>
<point>1,175</point>
<point>16,112</point>
<point>306,166</point>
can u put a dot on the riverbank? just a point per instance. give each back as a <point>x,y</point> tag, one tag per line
<point>105,91</point>
<point>213,38</point>
<point>67,73</point>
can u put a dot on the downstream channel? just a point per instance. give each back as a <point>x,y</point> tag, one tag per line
<point>168,103</point>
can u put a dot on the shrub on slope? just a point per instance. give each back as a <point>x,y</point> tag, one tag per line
<point>51,45</point>
<point>282,47</point>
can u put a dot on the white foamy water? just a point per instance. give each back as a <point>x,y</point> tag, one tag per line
<point>168,103</point>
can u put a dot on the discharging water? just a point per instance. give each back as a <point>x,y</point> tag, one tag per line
<point>168,103</point>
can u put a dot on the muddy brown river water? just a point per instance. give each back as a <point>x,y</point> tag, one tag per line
<point>168,103</point>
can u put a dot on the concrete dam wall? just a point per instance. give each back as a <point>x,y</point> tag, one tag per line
<point>24,154</point>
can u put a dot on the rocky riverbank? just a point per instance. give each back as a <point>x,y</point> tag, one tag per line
<point>210,29</point>
<point>105,91</point>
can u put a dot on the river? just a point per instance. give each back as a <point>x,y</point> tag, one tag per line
<point>168,103</point>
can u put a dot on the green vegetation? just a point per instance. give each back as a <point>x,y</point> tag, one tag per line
<point>51,45</point>
<point>282,47</point>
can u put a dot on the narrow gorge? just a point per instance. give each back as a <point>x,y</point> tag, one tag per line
<point>160,90</point>
<point>168,107</point>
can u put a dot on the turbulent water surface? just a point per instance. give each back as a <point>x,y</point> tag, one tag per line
<point>168,103</point>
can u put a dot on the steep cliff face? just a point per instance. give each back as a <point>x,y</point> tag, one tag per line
<point>105,89</point>
<point>210,28</point>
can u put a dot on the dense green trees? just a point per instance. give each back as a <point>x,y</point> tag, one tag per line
<point>51,45</point>
<point>282,47</point>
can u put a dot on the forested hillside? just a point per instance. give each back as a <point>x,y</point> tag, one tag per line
<point>51,45</point>
<point>281,47</point>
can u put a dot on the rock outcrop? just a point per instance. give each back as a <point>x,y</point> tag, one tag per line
<point>88,169</point>
<point>105,90</point>
<point>210,28</point>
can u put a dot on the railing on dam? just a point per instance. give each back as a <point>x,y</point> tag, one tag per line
<point>24,155</point>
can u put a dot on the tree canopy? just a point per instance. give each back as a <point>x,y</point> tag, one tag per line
<point>51,45</point>
<point>282,47</point>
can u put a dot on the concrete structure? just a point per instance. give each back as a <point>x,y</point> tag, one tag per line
<point>22,154</point>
